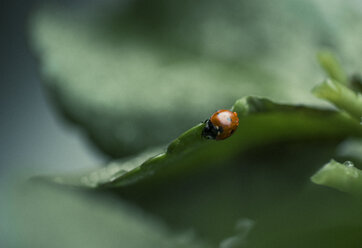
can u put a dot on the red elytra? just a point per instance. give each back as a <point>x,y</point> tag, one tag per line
<point>227,120</point>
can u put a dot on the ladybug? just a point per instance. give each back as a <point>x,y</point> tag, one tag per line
<point>221,125</point>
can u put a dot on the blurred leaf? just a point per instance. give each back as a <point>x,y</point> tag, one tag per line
<point>44,216</point>
<point>341,96</point>
<point>351,149</point>
<point>268,185</point>
<point>261,122</point>
<point>242,228</point>
<point>134,73</point>
<point>344,177</point>
<point>332,66</point>
<point>313,218</point>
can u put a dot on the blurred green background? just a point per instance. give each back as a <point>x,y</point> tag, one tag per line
<point>125,78</point>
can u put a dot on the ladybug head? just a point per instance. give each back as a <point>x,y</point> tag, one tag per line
<point>211,131</point>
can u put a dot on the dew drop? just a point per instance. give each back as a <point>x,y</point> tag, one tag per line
<point>348,163</point>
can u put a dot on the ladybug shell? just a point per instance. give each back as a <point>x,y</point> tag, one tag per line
<point>227,120</point>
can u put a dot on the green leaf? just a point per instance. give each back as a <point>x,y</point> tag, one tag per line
<point>344,177</point>
<point>316,217</point>
<point>268,185</point>
<point>341,96</point>
<point>332,66</point>
<point>262,122</point>
<point>134,75</point>
<point>133,78</point>
<point>47,216</point>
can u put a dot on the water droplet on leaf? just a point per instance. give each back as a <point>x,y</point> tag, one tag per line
<point>348,163</point>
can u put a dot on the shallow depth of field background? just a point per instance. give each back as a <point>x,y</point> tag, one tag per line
<point>274,59</point>
<point>29,128</point>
